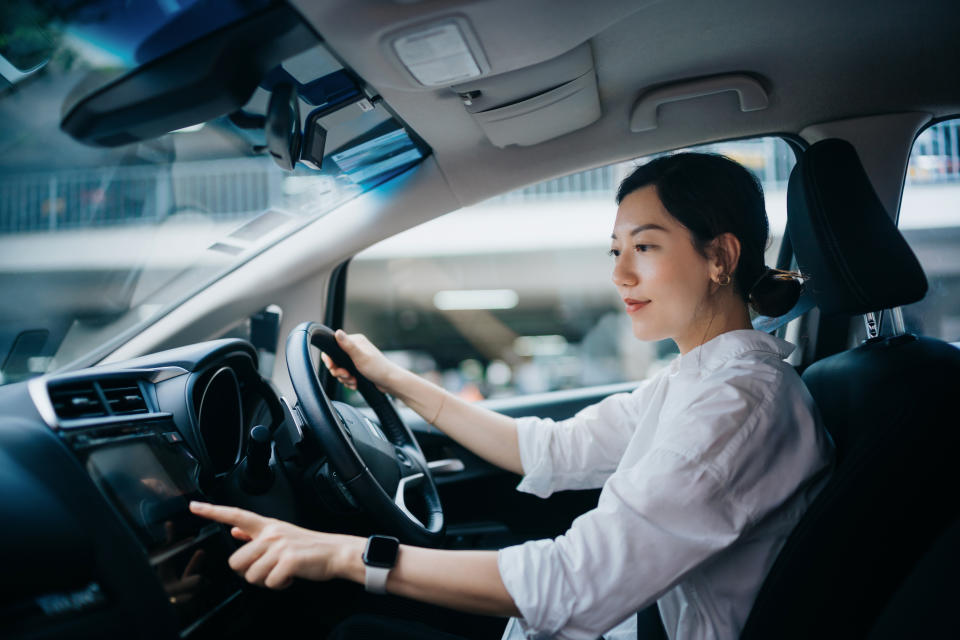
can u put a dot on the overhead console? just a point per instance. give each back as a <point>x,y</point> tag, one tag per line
<point>521,107</point>
<point>537,103</point>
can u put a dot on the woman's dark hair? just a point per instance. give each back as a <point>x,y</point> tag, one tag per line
<point>710,195</point>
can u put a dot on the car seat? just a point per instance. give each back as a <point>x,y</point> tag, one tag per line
<point>888,403</point>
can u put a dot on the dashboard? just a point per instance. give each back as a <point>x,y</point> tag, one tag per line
<point>97,468</point>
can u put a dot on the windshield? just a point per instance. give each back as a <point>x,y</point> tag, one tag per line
<point>96,243</point>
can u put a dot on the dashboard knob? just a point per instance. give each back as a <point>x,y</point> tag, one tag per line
<point>257,474</point>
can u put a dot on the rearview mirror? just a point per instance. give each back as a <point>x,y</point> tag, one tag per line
<point>207,78</point>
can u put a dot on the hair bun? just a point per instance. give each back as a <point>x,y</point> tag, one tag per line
<point>776,291</point>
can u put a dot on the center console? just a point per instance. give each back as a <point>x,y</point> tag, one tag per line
<point>145,470</point>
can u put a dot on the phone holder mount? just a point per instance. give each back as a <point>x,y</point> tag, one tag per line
<point>282,126</point>
<point>286,143</point>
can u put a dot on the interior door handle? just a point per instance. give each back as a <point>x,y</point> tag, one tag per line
<point>447,465</point>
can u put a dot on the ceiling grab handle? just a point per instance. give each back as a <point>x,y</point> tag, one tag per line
<point>753,97</point>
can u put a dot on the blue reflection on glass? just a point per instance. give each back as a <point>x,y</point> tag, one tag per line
<point>134,33</point>
<point>379,158</point>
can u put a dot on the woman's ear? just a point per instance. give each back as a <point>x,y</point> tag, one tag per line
<point>724,255</point>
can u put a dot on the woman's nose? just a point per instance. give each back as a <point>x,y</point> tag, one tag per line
<point>623,274</point>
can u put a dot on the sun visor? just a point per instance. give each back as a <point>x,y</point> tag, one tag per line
<point>536,103</point>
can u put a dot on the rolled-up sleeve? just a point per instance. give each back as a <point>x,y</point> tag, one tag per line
<point>580,452</point>
<point>711,476</point>
<point>654,522</point>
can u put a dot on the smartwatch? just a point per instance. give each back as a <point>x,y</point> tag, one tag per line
<point>379,557</point>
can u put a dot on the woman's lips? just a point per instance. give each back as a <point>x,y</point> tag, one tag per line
<point>635,305</point>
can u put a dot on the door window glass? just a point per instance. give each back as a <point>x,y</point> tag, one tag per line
<point>930,221</point>
<point>513,296</point>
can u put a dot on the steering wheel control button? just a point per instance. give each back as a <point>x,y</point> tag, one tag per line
<point>374,429</point>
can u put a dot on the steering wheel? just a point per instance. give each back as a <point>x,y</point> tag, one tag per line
<point>381,466</point>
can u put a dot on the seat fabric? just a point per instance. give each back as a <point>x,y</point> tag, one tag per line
<point>893,491</point>
<point>923,605</point>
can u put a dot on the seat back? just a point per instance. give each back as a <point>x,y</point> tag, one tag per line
<point>887,404</point>
<point>923,605</point>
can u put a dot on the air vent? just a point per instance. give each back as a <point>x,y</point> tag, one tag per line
<point>98,399</point>
<point>75,401</point>
<point>124,397</point>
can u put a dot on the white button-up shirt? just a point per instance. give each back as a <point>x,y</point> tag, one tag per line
<point>705,469</point>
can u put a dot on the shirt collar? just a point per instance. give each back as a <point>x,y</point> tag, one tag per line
<point>712,354</point>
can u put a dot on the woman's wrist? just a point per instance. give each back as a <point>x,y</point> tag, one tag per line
<point>348,561</point>
<point>398,381</point>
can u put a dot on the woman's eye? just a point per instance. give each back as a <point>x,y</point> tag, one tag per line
<point>642,248</point>
<point>613,252</point>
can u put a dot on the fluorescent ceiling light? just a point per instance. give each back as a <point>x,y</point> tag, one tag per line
<point>456,300</point>
<point>437,55</point>
<point>552,345</point>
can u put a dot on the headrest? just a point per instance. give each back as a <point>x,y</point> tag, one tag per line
<point>844,240</point>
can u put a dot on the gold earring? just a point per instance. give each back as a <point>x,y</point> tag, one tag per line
<point>723,280</point>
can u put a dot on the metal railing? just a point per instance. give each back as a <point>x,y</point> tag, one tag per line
<point>136,195</point>
<point>935,158</point>
<point>239,188</point>
<point>770,159</point>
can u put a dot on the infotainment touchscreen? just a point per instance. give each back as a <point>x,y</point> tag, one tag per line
<point>151,482</point>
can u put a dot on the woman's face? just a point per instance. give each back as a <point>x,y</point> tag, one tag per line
<point>662,279</point>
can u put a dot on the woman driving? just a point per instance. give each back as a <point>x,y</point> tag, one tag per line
<point>705,468</point>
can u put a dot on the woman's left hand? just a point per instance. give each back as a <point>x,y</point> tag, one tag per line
<point>277,552</point>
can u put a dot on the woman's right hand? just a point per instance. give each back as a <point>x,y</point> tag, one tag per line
<point>368,360</point>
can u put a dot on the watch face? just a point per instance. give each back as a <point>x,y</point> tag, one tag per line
<point>381,551</point>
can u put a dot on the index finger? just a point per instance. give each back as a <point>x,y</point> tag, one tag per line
<point>334,368</point>
<point>246,520</point>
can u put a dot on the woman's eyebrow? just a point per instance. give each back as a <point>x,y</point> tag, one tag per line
<point>642,227</point>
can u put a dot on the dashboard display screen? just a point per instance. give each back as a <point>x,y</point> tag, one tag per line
<point>150,482</point>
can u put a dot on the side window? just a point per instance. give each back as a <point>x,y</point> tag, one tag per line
<point>514,296</point>
<point>930,221</point>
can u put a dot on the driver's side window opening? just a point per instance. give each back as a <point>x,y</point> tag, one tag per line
<point>513,296</point>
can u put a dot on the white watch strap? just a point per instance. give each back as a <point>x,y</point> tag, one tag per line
<point>375,579</point>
